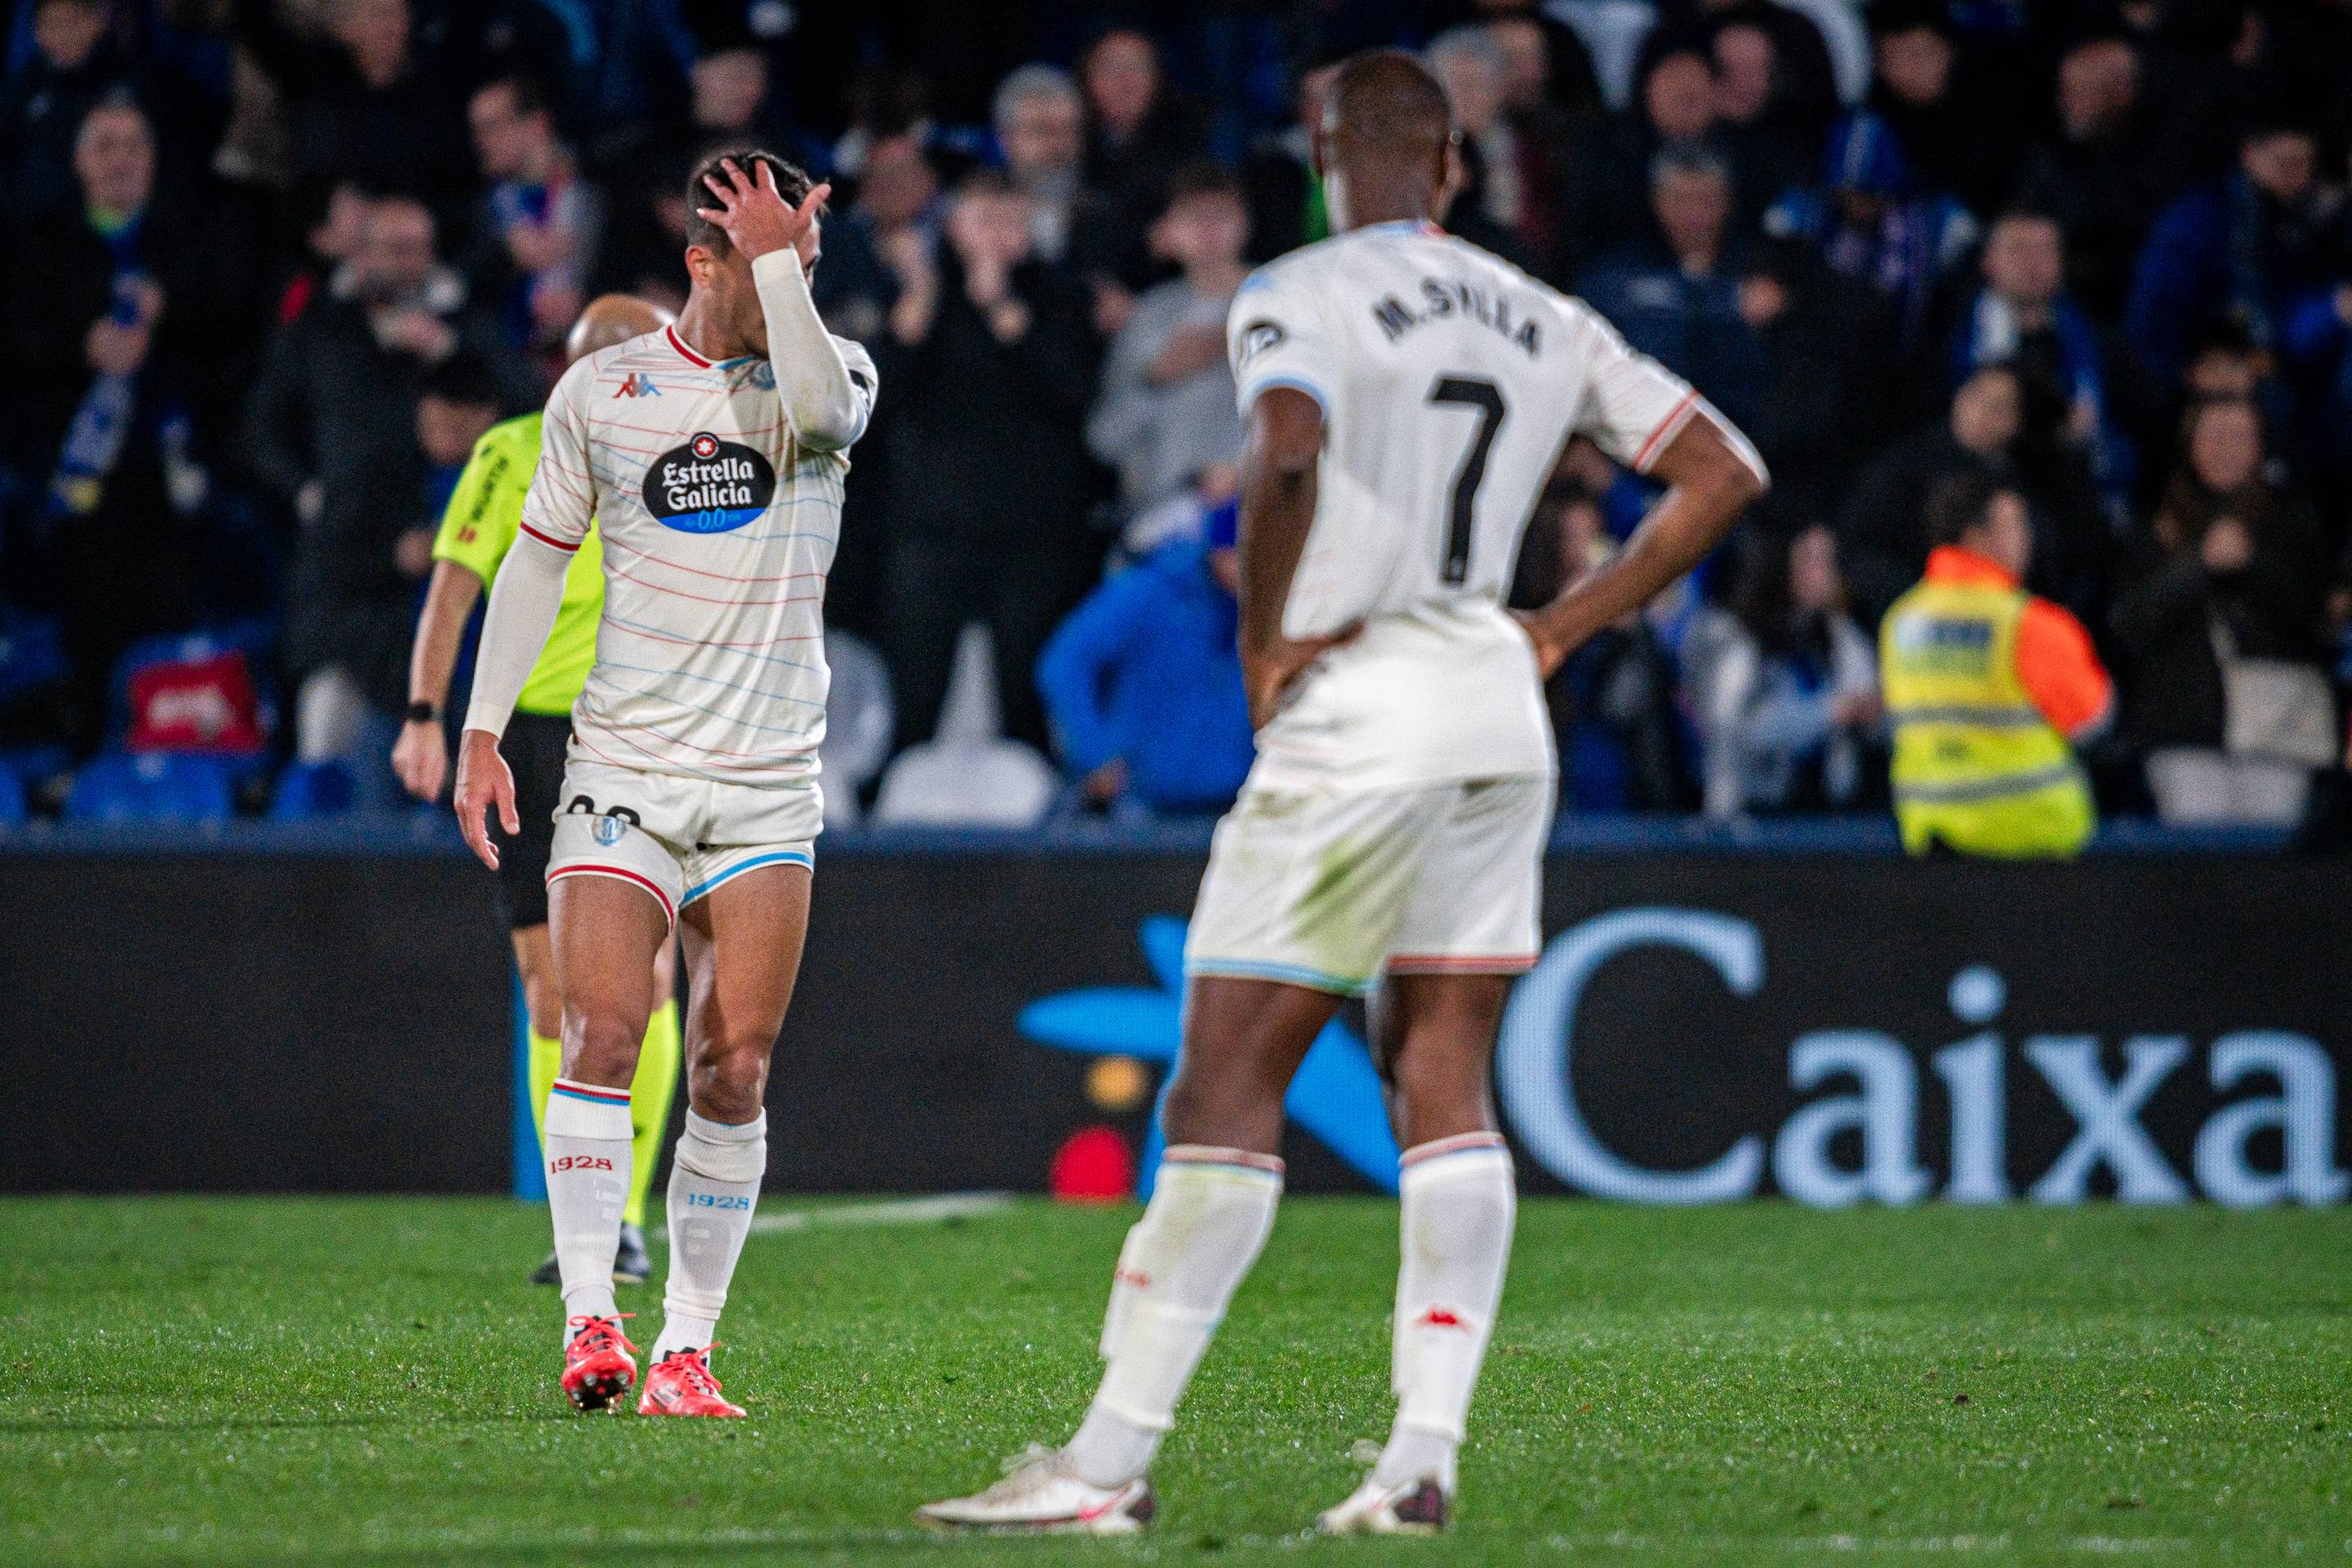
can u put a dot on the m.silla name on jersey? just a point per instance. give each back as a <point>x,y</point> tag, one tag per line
<point>1444,298</point>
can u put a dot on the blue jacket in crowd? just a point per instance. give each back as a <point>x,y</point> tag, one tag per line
<point>1148,669</point>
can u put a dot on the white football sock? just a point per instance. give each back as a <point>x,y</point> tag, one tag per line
<point>1455,1228</point>
<point>588,1162</point>
<point>1207,1220</point>
<point>714,1184</point>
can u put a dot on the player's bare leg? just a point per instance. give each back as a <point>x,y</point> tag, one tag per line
<point>1209,1212</point>
<point>606,933</point>
<point>1435,1036</point>
<point>743,946</point>
<point>649,1090</point>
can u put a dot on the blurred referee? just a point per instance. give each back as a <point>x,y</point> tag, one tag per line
<point>484,514</point>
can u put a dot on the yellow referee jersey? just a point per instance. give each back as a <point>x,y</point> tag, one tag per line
<point>485,513</point>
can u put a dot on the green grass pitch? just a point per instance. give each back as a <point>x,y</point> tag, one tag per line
<point>254,1380</point>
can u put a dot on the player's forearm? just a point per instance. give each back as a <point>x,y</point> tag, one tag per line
<point>440,629</point>
<point>819,397</point>
<point>523,603</point>
<point>1710,488</point>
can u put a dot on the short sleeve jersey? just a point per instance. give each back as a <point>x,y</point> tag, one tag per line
<point>477,529</point>
<point>1450,382</point>
<point>719,530</point>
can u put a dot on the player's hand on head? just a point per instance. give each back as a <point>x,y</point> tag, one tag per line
<point>484,780</point>
<point>1267,672</point>
<point>753,214</point>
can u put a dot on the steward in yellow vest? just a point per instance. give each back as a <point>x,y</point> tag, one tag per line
<point>1987,689</point>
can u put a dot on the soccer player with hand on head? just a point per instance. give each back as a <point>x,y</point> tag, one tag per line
<point>1406,396</point>
<point>479,526</point>
<point>710,457</point>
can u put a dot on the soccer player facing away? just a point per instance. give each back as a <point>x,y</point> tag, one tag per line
<point>710,456</point>
<point>480,525</point>
<point>1406,397</point>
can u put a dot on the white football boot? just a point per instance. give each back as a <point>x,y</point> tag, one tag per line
<point>1040,1493</point>
<point>1416,1508</point>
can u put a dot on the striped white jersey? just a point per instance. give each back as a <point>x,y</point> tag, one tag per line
<point>718,530</point>
<point>1450,381</point>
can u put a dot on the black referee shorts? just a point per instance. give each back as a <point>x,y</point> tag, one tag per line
<point>534,748</point>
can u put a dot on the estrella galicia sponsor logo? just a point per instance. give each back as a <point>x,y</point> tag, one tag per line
<point>709,486</point>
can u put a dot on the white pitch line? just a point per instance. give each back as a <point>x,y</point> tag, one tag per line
<point>890,1211</point>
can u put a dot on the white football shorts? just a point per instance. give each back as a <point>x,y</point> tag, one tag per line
<point>1329,890</point>
<point>677,838</point>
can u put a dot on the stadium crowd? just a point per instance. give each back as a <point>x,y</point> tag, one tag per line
<point>276,265</point>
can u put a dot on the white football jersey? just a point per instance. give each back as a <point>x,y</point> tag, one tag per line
<point>718,530</point>
<point>1450,382</point>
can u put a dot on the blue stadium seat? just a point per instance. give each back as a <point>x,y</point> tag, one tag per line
<point>32,654</point>
<point>307,791</point>
<point>153,787</point>
<point>12,800</point>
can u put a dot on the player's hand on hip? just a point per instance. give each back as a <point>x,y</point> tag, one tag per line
<point>1551,647</point>
<point>484,780</point>
<point>753,213</point>
<point>1267,672</point>
<point>421,758</point>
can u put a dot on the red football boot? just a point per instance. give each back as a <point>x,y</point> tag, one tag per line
<point>680,1385</point>
<point>600,1363</point>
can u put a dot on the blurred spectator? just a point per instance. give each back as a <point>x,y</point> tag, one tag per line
<point>1137,135</point>
<point>1143,682</point>
<point>1686,302</point>
<point>1784,685</point>
<point>1167,411</point>
<point>2022,316</point>
<point>1508,201</point>
<point>1988,690</point>
<point>1870,220</point>
<point>1810,77</point>
<point>1548,64</point>
<point>2104,175</point>
<point>1609,173</point>
<point>1963,131</point>
<point>644,253</point>
<point>2223,615</point>
<point>898,194</point>
<point>362,105</point>
<point>73,64</point>
<point>1613,704</point>
<point>1883,534</point>
<point>332,437</point>
<point>109,315</point>
<point>1772,141</point>
<point>989,473</point>
<point>2243,249</point>
<point>1285,195</point>
<point>540,222</point>
<point>1041,128</point>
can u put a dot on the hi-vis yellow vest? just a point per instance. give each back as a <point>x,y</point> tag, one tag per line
<point>1977,766</point>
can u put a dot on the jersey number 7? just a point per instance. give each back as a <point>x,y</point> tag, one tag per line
<point>1487,398</point>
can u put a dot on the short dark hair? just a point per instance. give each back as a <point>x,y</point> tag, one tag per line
<point>792,183</point>
<point>1203,178</point>
<point>531,94</point>
<point>467,378</point>
<point>1961,502</point>
<point>984,181</point>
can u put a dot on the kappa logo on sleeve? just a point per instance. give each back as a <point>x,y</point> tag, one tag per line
<point>709,486</point>
<point>1259,336</point>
